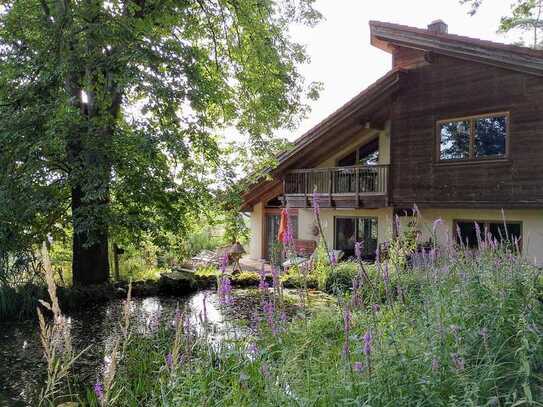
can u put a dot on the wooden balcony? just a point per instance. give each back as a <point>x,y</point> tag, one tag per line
<point>339,187</point>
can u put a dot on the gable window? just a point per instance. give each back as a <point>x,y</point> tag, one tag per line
<point>473,138</point>
<point>466,232</point>
<point>368,154</point>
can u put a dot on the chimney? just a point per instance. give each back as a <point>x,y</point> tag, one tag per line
<point>438,27</point>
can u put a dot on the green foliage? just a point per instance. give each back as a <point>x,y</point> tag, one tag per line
<point>526,16</point>
<point>112,113</point>
<point>339,279</point>
<point>470,334</point>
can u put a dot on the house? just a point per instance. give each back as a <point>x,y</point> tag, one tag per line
<point>455,128</point>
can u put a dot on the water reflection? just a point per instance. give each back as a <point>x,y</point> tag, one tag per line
<point>98,328</point>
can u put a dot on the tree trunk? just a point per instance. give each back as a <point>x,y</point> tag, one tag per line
<point>90,262</point>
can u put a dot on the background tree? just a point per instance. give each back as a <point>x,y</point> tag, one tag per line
<point>111,111</point>
<point>526,16</point>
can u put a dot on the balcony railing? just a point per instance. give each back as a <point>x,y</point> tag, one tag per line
<point>341,187</point>
<point>370,179</point>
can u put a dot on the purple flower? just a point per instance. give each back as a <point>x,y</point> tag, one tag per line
<point>169,360</point>
<point>368,339</point>
<point>385,274</point>
<point>333,259</point>
<point>275,277</point>
<point>358,367</point>
<point>99,390</point>
<point>269,310</point>
<point>253,348</point>
<point>358,250</point>
<point>315,203</point>
<point>375,308</point>
<point>225,290</point>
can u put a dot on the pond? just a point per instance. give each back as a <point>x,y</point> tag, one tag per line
<point>22,366</point>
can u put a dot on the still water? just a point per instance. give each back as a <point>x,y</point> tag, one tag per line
<point>22,366</point>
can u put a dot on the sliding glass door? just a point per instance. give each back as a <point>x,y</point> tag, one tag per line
<point>349,230</point>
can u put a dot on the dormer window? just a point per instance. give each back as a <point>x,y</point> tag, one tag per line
<point>473,138</point>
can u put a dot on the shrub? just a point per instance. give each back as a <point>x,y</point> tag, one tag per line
<point>339,279</point>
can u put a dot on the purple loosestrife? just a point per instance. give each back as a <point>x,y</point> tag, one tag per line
<point>358,250</point>
<point>275,277</point>
<point>99,390</point>
<point>263,285</point>
<point>225,291</point>
<point>333,259</point>
<point>265,371</point>
<point>269,310</point>
<point>375,308</point>
<point>358,367</point>
<point>368,339</point>
<point>253,349</point>
<point>169,360</point>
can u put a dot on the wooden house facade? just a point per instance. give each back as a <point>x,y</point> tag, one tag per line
<point>455,129</point>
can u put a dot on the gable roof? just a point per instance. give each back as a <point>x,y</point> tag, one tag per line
<point>387,35</point>
<point>337,127</point>
<point>334,129</point>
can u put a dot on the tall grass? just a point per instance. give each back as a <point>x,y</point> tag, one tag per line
<point>456,327</point>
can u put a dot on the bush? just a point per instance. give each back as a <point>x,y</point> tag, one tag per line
<point>339,279</point>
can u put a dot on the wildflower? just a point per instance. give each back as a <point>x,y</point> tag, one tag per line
<point>265,370</point>
<point>253,348</point>
<point>385,274</point>
<point>275,277</point>
<point>358,250</point>
<point>169,360</point>
<point>315,203</point>
<point>458,362</point>
<point>333,259</point>
<point>368,338</point>
<point>225,290</point>
<point>263,285</point>
<point>416,210</point>
<point>177,316</point>
<point>99,390</point>
<point>283,317</point>
<point>358,367</point>
<point>375,308</point>
<point>269,310</point>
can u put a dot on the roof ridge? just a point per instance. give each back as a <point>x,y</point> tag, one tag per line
<point>461,38</point>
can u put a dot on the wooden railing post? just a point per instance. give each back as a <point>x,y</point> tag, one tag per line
<point>357,186</point>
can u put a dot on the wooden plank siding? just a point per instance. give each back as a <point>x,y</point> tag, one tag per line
<point>449,88</point>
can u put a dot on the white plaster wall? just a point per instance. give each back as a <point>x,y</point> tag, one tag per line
<point>532,226</point>
<point>306,222</point>
<point>257,232</point>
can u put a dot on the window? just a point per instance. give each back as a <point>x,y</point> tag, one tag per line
<point>349,230</point>
<point>472,138</point>
<point>368,154</point>
<point>466,231</point>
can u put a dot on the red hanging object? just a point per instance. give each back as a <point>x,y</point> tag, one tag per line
<point>283,225</point>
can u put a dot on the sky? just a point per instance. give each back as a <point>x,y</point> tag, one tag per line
<point>345,62</point>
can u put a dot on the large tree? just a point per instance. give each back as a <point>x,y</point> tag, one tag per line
<point>109,111</point>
